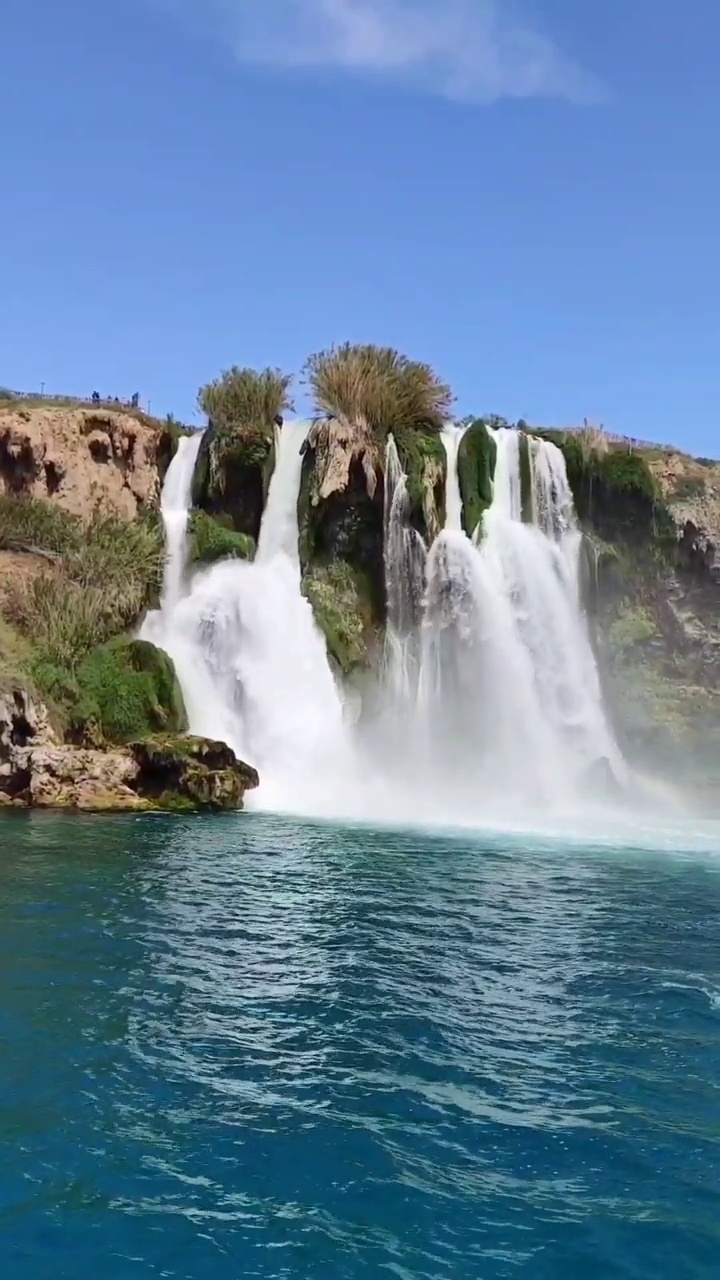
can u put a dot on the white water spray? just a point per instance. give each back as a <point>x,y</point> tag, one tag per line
<point>404,557</point>
<point>175,508</point>
<point>508,667</point>
<point>451,437</point>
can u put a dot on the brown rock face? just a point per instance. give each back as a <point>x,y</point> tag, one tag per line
<point>691,490</point>
<point>180,774</point>
<point>61,777</point>
<point>84,459</point>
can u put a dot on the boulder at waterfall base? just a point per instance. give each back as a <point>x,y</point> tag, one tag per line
<point>190,773</point>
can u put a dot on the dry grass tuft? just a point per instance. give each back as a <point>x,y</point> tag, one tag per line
<point>246,397</point>
<point>377,389</point>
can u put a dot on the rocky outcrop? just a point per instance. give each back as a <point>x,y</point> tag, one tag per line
<point>232,476</point>
<point>180,774</point>
<point>340,509</point>
<point>477,455</point>
<point>191,773</point>
<point>690,489</point>
<point>84,459</point>
<point>63,777</point>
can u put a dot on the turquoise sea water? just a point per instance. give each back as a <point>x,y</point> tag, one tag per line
<point>248,1047</point>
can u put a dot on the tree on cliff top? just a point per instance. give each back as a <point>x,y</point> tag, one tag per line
<point>246,397</point>
<point>377,389</point>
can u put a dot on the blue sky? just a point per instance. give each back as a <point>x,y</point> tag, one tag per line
<point>523,192</point>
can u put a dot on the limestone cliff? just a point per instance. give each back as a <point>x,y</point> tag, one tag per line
<point>83,459</point>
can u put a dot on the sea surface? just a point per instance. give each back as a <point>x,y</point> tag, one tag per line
<point>250,1047</point>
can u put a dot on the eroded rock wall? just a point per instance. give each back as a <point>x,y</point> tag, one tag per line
<point>85,460</point>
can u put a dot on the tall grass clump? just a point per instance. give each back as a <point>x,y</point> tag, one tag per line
<point>593,440</point>
<point>29,524</point>
<point>246,397</point>
<point>377,389</point>
<point>101,577</point>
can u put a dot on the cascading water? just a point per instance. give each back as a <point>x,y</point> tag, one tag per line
<point>451,438</point>
<point>404,557</point>
<point>175,508</point>
<point>509,672</point>
<point>251,662</point>
<point>490,687</point>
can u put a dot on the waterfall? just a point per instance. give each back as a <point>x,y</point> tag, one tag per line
<point>451,437</point>
<point>404,557</point>
<point>490,699</point>
<point>279,529</point>
<point>508,666</point>
<point>174,508</point>
<point>250,659</point>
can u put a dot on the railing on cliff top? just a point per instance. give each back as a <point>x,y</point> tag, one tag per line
<point>114,402</point>
<point>49,397</point>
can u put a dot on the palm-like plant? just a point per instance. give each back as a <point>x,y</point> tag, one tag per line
<point>246,397</point>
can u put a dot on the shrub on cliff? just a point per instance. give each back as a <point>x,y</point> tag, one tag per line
<point>246,397</point>
<point>101,577</point>
<point>236,456</point>
<point>377,389</point>
<point>477,455</point>
<point>28,524</point>
<point>126,689</point>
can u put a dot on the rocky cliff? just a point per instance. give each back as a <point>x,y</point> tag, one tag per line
<point>72,586</point>
<point>83,459</point>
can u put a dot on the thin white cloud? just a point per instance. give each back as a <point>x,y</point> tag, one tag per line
<point>473,50</point>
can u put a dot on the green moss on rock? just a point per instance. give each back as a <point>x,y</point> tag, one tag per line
<point>526,494</point>
<point>424,461</point>
<point>477,456</point>
<point>232,474</point>
<point>126,689</point>
<point>181,774</point>
<point>342,603</point>
<point>211,540</point>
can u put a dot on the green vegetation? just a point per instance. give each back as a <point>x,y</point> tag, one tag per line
<point>377,389</point>
<point>126,689</point>
<point>477,456</point>
<point>14,658</point>
<point>246,397</point>
<point>27,524</point>
<point>237,453</point>
<point>340,598</point>
<point>526,485</point>
<point>101,577</point>
<point>633,625</point>
<point>423,459</point>
<point>612,484</point>
<point>687,488</point>
<point>210,540</point>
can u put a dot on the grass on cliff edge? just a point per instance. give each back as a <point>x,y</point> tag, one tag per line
<point>377,388</point>
<point>245,397</point>
<point>100,577</point>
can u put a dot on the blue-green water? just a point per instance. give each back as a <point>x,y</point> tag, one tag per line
<point>245,1047</point>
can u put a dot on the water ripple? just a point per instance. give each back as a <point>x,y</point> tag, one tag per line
<point>272,1049</point>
